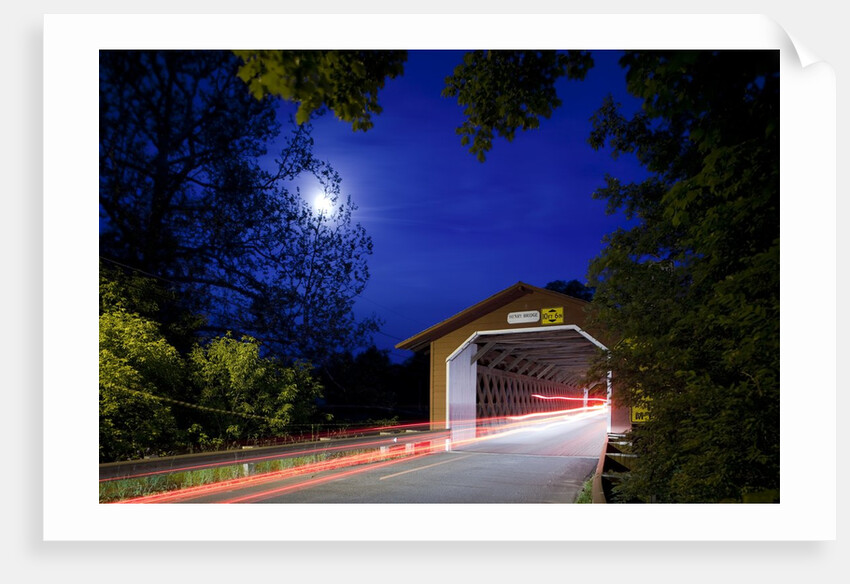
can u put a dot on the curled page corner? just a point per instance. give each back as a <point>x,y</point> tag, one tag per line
<point>804,55</point>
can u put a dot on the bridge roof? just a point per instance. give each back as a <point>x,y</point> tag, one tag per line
<point>423,339</point>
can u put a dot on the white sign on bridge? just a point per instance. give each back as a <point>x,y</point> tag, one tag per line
<point>525,316</point>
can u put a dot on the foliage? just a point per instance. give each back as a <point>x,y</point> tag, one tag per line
<point>190,195</point>
<point>693,288</point>
<point>122,489</point>
<point>136,363</point>
<point>118,490</point>
<point>155,400</point>
<point>251,397</point>
<point>346,82</point>
<point>130,291</point>
<point>585,496</point>
<point>572,288</point>
<point>369,386</point>
<point>503,91</point>
<point>360,385</point>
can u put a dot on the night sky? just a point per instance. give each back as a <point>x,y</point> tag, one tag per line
<point>448,230</point>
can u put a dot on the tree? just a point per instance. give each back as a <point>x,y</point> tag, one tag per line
<point>572,288</point>
<point>361,386</point>
<point>693,289</point>
<point>137,366</point>
<point>368,386</point>
<point>251,397</point>
<point>501,91</point>
<point>345,82</point>
<point>154,300</point>
<point>189,194</point>
<point>155,399</point>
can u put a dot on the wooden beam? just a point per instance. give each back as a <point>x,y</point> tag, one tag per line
<point>545,370</point>
<point>529,363</point>
<point>534,370</point>
<point>483,351</point>
<point>517,362</point>
<point>498,359</point>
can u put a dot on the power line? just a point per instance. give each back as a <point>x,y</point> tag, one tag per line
<point>198,407</point>
<point>219,410</point>
<point>138,270</point>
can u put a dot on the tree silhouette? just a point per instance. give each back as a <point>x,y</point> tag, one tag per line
<point>693,288</point>
<point>190,195</point>
<point>572,288</point>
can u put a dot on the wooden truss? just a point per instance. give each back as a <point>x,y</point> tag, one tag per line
<point>514,367</point>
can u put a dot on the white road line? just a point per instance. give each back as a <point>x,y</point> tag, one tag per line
<point>422,467</point>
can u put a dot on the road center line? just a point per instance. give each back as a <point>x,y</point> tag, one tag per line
<point>423,467</point>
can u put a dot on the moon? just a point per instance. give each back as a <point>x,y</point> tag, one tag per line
<point>323,204</point>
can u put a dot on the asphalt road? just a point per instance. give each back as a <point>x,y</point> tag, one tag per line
<point>544,463</point>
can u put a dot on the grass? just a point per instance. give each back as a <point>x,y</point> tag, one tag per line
<point>586,493</point>
<point>117,490</point>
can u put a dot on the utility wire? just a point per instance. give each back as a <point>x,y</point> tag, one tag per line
<point>218,410</point>
<point>138,270</point>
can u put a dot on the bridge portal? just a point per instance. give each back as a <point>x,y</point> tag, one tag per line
<point>521,352</point>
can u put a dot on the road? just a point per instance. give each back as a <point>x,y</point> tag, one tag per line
<point>544,463</point>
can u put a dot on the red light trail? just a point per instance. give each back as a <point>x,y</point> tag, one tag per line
<point>389,457</point>
<point>534,422</point>
<point>383,453</point>
<point>320,480</point>
<point>251,459</point>
<point>260,458</point>
<point>566,398</point>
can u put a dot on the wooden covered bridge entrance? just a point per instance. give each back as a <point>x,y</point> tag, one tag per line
<point>522,351</point>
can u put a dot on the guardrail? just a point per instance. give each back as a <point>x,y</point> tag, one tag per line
<point>613,461</point>
<point>170,464</point>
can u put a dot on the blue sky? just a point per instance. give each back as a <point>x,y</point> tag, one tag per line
<point>448,230</point>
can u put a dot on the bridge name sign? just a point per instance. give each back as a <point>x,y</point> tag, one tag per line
<point>524,316</point>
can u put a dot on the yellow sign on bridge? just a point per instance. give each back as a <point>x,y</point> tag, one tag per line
<point>552,315</point>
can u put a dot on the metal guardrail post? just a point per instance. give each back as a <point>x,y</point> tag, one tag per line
<point>597,493</point>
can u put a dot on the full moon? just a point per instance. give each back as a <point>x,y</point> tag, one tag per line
<point>323,204</point>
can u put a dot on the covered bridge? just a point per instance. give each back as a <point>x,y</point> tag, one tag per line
<point>521,351</point>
